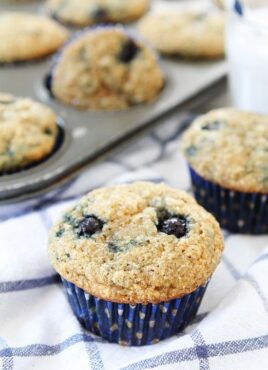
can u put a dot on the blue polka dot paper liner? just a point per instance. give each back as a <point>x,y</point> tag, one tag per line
<point>238,212</point>
<point>133,325</point>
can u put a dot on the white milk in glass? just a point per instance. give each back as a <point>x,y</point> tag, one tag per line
<point>247,52</point>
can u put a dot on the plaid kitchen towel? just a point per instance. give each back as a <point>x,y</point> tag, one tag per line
<point>37,327</point>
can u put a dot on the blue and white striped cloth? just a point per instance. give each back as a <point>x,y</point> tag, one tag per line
<point>38,329</point>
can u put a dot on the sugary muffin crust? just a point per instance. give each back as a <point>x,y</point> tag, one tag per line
<point>188,32</point>
<point>28,36</point>
<point>28,132</point>
<point>83,13</point>
<point>230,147</point>
<point>106,69</point>
<point>136,243</point>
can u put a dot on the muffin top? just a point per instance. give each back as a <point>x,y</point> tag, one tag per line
<point>83,13</point>
<point>137,243</point>
<point>106,69</point>
<point>28,36</point>
<point>28,132</point>
<point>230,147</point>
<point>189,32</point>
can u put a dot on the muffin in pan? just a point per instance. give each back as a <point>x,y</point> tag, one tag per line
<point>28,133</point>
<point>105,68</point>
<point>189,32</point>
<point>82,13</point>
<point>227,150</point>
<point>28,37</point>
<point>135,260</point>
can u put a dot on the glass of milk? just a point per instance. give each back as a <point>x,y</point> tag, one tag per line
<point>247,52</point>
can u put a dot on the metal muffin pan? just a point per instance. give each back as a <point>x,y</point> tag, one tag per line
<point>89,134</point>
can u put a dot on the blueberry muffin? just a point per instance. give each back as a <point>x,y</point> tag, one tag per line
<point>105,69</point>
<point>191,33</point>
<point>83,13</point>
<point>131,256</point>
<point>28,133</point>
<point>227,150</point>
<point>28,37</point>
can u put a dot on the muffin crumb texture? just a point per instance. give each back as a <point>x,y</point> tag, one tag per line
<point>230,147</point>
<point>138,243</point>
<point>106,69</point>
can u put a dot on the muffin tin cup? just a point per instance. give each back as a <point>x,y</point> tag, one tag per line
<point>238,212</point>
<point>89,135</point>
<point>133,325</point>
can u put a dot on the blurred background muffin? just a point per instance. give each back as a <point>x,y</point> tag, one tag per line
<point>193,33</point>
<point>28,132</point>
<point>28,36</point>
<point>106,69</point>
<point>83,13</point>
<point>227,150</point>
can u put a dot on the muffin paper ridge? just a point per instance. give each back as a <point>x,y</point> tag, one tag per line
<point>239,212</point>
<point>133,325</point>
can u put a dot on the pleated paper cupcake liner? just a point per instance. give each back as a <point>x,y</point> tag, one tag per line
<point>239,212</point>
<point>133,325</point>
